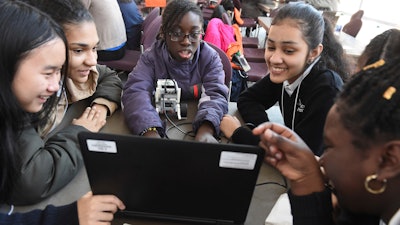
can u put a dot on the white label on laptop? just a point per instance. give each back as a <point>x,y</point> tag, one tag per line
<point>101,146</point>
<point>237,160</point>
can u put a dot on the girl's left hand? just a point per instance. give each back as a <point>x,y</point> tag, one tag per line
<point>98,209</point>
<point>229,124</point>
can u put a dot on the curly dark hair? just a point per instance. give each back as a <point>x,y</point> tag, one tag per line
<point>369,106</point>
<point>174,12</point>
<point>374,50</point>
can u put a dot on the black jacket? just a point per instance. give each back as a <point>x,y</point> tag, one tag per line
<point>315,97</point>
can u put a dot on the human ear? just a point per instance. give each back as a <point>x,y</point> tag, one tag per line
<point>314,53</point>
<point>390,165</point>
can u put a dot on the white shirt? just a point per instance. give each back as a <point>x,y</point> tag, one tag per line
<point>395,220</point>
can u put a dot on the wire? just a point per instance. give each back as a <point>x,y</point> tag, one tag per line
<point>173,124</point>
<point>272,182</point>
<point>285,185</point>
<point>177,126</point>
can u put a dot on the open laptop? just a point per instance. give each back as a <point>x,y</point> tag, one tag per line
<point>173,179</point>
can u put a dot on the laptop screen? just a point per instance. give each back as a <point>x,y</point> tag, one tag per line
<point>173,179</point>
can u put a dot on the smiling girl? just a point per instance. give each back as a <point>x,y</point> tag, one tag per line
<point>361,162</point>
<point>32,58</point>
<point>306,71</point>
<point>86,80</point>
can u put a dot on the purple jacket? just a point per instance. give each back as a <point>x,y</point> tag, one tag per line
<point>155,63</point>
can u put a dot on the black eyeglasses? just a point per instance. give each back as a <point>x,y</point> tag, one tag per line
<point>178,36</point>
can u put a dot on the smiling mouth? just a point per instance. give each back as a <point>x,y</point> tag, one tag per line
<point>277,69</point>
<point>84,72</point>
<point>185,54</point>
<point>44,97</point>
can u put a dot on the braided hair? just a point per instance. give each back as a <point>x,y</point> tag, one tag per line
<point>369,106</point>
<point>374,49</point>
<point>174,12</point>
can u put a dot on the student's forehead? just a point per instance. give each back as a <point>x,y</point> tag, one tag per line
<point>82,34</point>
<point>189,20</point>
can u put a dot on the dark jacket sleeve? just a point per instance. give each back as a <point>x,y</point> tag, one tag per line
<point>243,135</point>
<point>46,167</point>
<point>313,209</point>
<point>137,97</point>
<point>259,97</point>
<point>61,215</point>
<point>109,86</point>
<point>316,209</point>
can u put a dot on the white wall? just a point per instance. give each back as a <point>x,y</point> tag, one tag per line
<point>378,16</point>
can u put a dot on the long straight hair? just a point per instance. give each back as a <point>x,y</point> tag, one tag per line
<point>23,29</point>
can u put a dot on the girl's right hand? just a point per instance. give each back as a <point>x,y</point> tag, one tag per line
<point>287,152</point>
<point>90,119</point>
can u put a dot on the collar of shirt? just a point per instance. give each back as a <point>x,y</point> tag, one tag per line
<point>289,88</point>
<point>395,220</point>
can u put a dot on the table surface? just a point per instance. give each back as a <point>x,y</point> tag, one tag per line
<point>270,183</point>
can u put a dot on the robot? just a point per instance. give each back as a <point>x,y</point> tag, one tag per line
<point>167,98</point>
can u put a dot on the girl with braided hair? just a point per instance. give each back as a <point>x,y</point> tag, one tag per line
<point>179,54</point>
<point>376,47</point>
<point>361,162</point>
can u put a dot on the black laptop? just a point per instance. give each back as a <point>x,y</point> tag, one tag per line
<point>173,179</point>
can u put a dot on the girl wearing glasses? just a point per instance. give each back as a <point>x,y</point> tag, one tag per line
<point>181,55</point>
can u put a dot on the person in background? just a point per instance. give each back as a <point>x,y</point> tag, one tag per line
<point>110,28</point>
<point>374,50</point>
<point>328,5</point>
<point>178,54</point>
<point>306,71</point>
<point>133,23</point>
<point>361,161</point>
<point>86,80</point>
<point>33,54</point>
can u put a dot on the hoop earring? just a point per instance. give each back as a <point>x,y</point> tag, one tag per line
<point>370,178</point>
